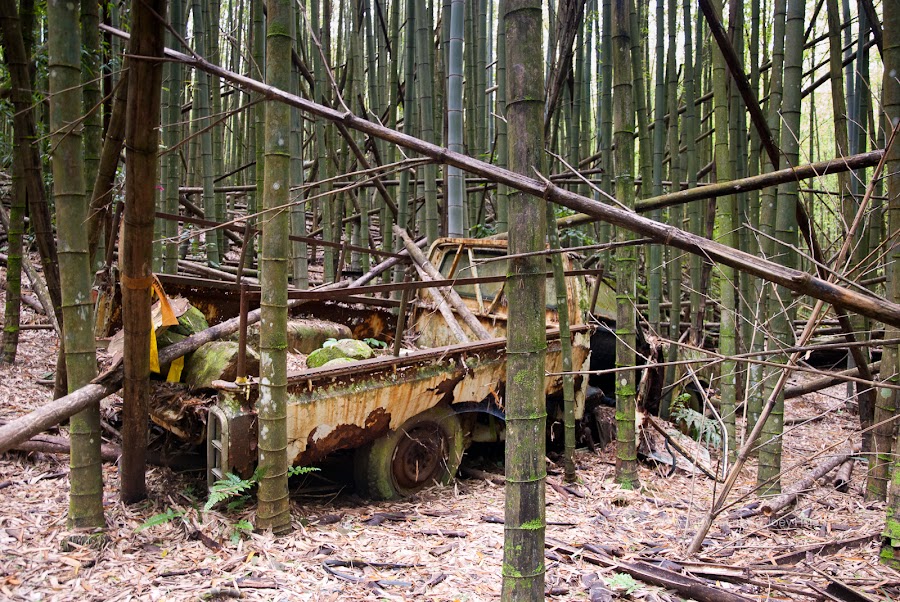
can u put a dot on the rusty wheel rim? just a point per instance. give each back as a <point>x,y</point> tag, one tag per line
<point>420,456</point>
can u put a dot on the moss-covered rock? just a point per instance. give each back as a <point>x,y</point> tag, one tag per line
<point>352,348</point>
<point>338,362</point>
<point>190,322</point>
<point>320,357</point>
<point>217,361</point>
<point>304,335</point>
<point>307,335</point>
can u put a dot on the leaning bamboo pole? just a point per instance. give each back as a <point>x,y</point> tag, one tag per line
<point>793,279</point>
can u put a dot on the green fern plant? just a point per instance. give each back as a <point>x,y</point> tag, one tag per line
<point>231,486</point>
<point>160,519</point>
<point>705,429</point>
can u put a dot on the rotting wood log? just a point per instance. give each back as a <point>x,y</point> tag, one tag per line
<point>826,381</point>
<point>53,444</point>
<point>689,587</point>
<point>791,279</point>
<point>778,503</point>
<point>431,273</point>
<point>843,475</point>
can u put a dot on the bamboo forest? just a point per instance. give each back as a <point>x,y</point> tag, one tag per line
<point>450,300</point>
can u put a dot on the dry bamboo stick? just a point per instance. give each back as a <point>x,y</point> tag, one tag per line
<point>429,272</point>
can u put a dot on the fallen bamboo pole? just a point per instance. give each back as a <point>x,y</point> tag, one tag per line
<point>778,503</point>
<point>52,413</point>
<point>795,280</point>
<point>827,381</point>
<point>429,272</point>
<point>843,475</point>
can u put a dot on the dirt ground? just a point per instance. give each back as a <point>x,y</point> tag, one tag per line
<point>443,544</point>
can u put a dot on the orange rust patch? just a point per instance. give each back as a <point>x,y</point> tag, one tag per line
<point>345,436</point>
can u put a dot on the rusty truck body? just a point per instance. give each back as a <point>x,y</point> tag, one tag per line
<point>408,418</point>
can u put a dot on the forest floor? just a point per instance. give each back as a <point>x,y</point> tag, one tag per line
<point>445,543</point>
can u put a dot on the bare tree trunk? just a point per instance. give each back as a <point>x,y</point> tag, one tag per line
<point>141,175</point>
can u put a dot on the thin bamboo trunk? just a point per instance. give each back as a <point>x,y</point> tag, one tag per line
<point>141,175</point>
<point>274,504</point>
<point>455,180</point>
<point>523,548</point>
<point>881,463</point>
<point>64,51</point>
<point>626,257</point>
<point>786,234</point>
<point>425,95</point>
<point>727,226</point>
<point>202,122</point>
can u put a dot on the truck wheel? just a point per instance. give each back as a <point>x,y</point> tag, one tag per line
<point>426,449</point>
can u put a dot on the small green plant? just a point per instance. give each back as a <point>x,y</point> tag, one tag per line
<point>375,343</point>
<point>241,528</point>
<point>234,486</point>
<point>160,519</point>
<point>623,581</point>
<point>706,429</point>
<point>295,471</point>
<point>231,486</point>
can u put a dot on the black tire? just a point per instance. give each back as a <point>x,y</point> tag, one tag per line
<point>427,449</point>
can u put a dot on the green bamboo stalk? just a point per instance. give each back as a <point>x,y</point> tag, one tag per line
<point>626,257</point>
<point>480,49</point>
<point>676,214</point>
<point>201,122</point>
<point>565,338</point>
<point>890,105</point>
<point>15,227</point>
<point>523,546</point>
<point>886,403</point>
<point>385,217</point>
<point>320,93</point>
<point>299,250</point>
<point>768,199</point>
<point>727,226</point>
<point>786,233</point>
<point>605,112</point>
<point>502,220</point>
<point>274,503</point>
<point>655,252</point>
<point>172,110</point>
<point>90,74</point>
<point>257,43</point>
<point>425,94</point>
<point>64,50</point>
<point>455,180</point>
<point>756,341</point>
<point>15,56</point>
<point>213,11</point>
<point>691,129</point>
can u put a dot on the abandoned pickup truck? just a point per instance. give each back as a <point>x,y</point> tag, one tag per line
<point>408,418</point>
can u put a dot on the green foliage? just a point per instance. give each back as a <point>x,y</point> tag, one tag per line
<point>160,519</point>
<point>375,343</point>
<point>232,485</point>
<point>294,471</point>
<point>329,343</point>
<point>623,581</point>
<point>482,230</point>
<point>241,528</point>
<point>703,428</point>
